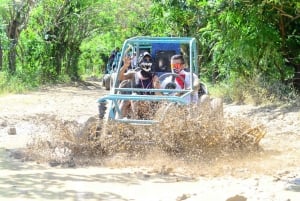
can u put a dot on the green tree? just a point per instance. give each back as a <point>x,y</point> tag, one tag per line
<point>237,38</point>
<point>73,36</point>
<point>287,19</point>
<point>2,39</point>
<point>16,17</point>
<point>176,17</point>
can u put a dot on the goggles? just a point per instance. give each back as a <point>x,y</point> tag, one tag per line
<point>177,67</point>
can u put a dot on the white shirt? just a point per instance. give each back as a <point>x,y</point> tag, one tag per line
<point>193,97</point>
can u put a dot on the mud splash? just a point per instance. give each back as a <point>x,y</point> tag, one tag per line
<point>185,136</point>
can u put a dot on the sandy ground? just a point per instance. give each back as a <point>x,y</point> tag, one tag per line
<point>272,174</point>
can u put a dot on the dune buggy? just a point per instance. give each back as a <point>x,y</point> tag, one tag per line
<point>161,49</point>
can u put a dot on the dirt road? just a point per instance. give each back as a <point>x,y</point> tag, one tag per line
<point>271,174</point>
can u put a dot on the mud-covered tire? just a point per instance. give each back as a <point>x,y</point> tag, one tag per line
<point>212,107</point>
<point>104,116</point>
<point>102,107</point>
<point>204,100</point>
<point>217,108</point>
<point>162,110</point>
<point>91,129</point>
<point>112,80</point>
<point>164,139</point>
<point>202,90</point>
<point>106,81</point>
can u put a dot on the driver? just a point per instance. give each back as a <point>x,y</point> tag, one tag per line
<point>182,81</point>
<point>143,78</point>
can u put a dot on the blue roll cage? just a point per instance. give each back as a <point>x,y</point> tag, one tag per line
<point>135,44</point>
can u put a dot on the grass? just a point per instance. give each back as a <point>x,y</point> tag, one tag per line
<point>256,92</point>
<point>15,84</point>
<point>21,83</point>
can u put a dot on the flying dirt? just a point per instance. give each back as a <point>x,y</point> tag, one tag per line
<point>202,134</point>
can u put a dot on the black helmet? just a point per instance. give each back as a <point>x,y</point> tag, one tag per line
<point>145,61</point>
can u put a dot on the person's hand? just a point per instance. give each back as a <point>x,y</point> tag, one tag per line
<point>127,61</point>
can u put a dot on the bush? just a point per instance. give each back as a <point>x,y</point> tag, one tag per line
<point>257,91</point>
<point>17,83</point>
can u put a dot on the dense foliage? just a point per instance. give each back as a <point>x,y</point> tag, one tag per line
<point>239,41</point>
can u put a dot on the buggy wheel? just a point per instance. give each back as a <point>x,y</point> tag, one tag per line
<point>202,90</point>
<point>104,113</point>
<point>103,82</point>
<point>102,109</point>
<point>91,129</point>
<point>217,108</point>
<point>169,136</point>
<point>112,78</point>
<point>204,99</point>
<point>106,81</point>
<point>212,107</point>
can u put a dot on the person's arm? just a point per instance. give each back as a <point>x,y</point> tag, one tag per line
<point>156,84</point>
<point>123,75</point>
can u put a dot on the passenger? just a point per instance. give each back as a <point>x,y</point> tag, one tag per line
<point>113,59</point>
<point>183,79</point>
<point>143,78</point>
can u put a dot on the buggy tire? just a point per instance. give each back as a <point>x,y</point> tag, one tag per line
<point>106,81</point>
<point>91,129</point>
<point>217,108</point>
<point>202,90</point>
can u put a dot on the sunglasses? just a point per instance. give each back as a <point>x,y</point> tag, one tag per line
<point>176,66</point>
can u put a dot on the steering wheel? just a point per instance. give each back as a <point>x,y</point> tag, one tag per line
<point>170,84</point>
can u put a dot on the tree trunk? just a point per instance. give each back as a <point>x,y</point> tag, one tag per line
<point>12,59</point>
<point>72,65</point>
<point>58,60</point>
<point>13,35</point>
<point>1,56</point>
<point>18,21</point>
<point>296,79</point>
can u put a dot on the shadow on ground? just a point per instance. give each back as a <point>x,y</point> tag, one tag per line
<point>31,181</point>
